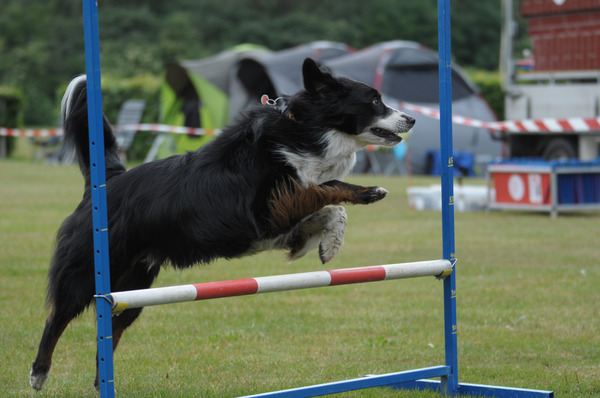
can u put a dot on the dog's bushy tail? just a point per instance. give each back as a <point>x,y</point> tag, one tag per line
<point>75,123</point>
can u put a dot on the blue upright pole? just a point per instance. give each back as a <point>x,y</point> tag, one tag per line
<point>450,382</point>
<point>98,186</point>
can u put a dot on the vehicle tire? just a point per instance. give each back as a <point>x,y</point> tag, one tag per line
<point>559,148</point>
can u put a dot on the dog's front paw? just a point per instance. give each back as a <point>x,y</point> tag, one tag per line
<point>372,194</point>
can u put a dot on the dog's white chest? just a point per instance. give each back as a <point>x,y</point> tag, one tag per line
<point>335,168</point>
<point>335,163</point>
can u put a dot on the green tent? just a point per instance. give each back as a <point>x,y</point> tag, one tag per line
<point>197,94</point>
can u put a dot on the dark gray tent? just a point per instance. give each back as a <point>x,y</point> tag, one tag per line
<point>277,73</point>
<point>406,71</point>
<point>219,87</point>
<point>211,92</point>
<point>284,68</point>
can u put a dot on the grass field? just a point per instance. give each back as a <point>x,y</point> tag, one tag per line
<point>528,305</point>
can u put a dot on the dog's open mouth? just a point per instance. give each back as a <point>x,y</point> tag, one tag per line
<point>387,134</point>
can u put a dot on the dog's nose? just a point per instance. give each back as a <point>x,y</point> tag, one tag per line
<point>410,120</point>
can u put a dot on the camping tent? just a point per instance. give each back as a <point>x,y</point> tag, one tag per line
<point>211,92</point>
<point>407,71</point>
<point>205,83</point>
<point>283,69</point>
<point>196,93</point>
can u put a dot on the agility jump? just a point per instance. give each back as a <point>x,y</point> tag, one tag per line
<point>412,379</point>
<point>121,301</point>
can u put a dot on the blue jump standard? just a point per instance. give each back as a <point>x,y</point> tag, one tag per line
<point>98,187</point>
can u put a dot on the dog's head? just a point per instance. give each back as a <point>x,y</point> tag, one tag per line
<point>349,107</point>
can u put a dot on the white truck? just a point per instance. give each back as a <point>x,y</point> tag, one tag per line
<point>559,81</point>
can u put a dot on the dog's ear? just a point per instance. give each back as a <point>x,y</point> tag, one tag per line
<point>316,80</point>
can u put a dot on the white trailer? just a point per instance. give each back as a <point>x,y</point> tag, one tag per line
<point>563,80</point>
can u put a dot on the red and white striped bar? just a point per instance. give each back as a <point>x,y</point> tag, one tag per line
<point>266,284</point>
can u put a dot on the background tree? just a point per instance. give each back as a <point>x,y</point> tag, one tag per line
<point>41,43</point>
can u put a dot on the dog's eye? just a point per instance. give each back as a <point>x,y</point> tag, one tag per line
<point>376,101</point>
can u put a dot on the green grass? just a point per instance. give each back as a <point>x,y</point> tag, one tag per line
<point>528,312</point>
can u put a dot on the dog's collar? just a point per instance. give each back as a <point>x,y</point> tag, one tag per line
<point>280,104</point>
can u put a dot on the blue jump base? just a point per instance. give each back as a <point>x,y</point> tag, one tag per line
<point>412,379</point>
<point>409,380</point>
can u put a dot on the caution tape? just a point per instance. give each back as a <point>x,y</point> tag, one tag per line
<point>161,128</point>
<point>164,128</point>
<point>6,132</point>
<point>548,125</point>
<point>566,125</point>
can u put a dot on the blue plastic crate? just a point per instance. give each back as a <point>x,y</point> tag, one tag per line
<point>464,163</point>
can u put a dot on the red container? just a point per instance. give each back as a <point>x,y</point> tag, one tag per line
<point>565,37</point>
<point>532,8</point>
<point>566,42</point>
<point>522,188</point>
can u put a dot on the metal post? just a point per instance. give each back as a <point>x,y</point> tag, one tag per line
<point>98,187</point>
<point>450,382</point>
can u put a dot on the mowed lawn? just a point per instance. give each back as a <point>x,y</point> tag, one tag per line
<point>528,305</point>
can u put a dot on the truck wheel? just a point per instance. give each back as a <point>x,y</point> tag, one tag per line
<point>559,148</point>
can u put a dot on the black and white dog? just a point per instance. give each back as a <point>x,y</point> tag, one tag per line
<point>269,181</point>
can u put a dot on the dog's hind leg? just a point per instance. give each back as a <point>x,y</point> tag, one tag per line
<point>70,291</point>
<point>55,325</point>
<point>292,202</point>
<point>333,233</point>
<point>308,216</point>
<point>324,228</point>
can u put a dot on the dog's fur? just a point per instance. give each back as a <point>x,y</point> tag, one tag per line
<point>269,181</point>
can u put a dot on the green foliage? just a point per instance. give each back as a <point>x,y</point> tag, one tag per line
<point>476,33</point>
<point>116,90</point>
<point>11,107</point>
<point>491,89</point>
<point>11,113</point>
<point>42,42</point>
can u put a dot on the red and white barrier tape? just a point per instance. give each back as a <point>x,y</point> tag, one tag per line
<point>6,132</point>
<point>520,126</point>
<point>161,128</point>
<point>164,128</point>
